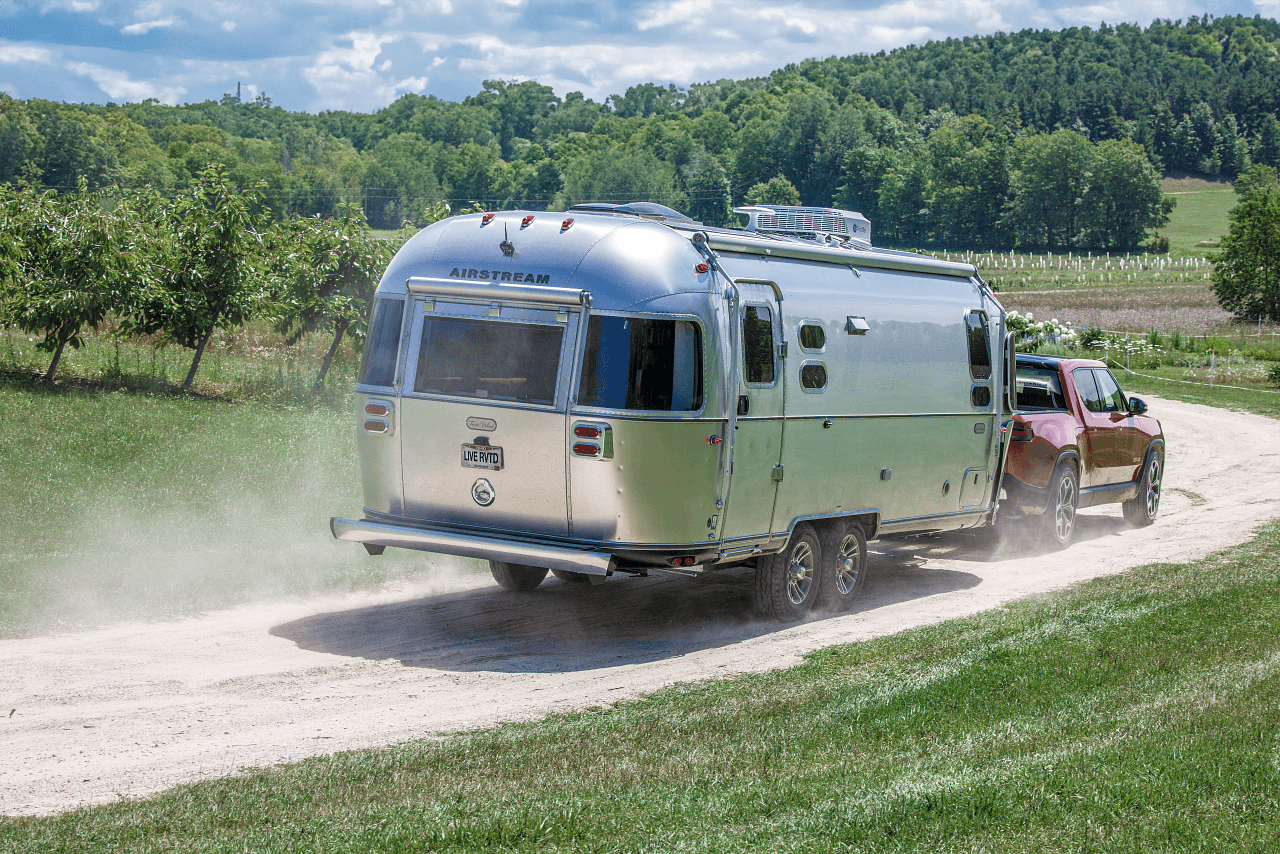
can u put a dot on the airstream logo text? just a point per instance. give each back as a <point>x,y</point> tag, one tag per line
<point>481,424</point>
<point>502,276</point>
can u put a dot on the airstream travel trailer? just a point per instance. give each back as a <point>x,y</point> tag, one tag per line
<point>619,389</point>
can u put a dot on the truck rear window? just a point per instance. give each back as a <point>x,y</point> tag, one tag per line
<point>489,359</point>
<point>1040,389</point>
<point>642,363</point>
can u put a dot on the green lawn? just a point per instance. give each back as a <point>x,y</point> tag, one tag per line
<point>1200,217</point>
<point>1134,713</point>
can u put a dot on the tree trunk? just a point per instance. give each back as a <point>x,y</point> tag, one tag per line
<point>195,363</point>
<point>57,356</point>
<point>328,357</point>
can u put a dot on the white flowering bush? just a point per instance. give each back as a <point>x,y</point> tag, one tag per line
<point>1031,334</point>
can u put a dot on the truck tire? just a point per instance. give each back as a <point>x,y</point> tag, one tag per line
<point>517,576</point>
<point>1141,510</point>
<point>1058,521</point>
<point>570,576</point>
<point>786,583</point>
<point>843,570</point>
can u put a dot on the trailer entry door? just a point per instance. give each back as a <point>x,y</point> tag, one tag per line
<point>757,442</point>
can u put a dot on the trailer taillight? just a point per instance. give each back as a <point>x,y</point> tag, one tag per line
<point>682,561</point>
<point>586,431</point>
<point>377,409</point>
<point>586,449</point>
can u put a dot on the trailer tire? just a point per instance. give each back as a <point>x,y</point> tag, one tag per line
<point>1057,523</point>
<point>786,582</point>
<point>517,576</point>
<point>568,575</point>
<point>1141,510</point>
<point>843,570</point>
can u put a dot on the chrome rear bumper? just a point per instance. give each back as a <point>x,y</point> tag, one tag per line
<point>472,545</point>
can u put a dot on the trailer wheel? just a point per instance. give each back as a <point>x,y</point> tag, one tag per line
<point>570,576</point>
<point>843,570</point>
<point>1058,522</point>
<point>1141,510</point>
<point>786,583</point>
<point>517,576</point>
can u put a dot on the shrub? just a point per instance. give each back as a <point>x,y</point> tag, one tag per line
<point>1273,374</point>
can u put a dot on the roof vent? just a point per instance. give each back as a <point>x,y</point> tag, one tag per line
<point>813,223</point>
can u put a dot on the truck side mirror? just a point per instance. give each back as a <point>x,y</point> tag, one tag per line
<point>1137,406</point>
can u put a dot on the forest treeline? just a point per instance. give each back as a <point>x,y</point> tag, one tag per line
<point>1037,139</point>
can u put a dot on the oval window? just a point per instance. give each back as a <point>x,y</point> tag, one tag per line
<point>812,337</point>
<point>813,377</point>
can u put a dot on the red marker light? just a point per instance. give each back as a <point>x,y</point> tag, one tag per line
<point>703,268</point>
<point>486,219</point>
<point>714,440</point>
<point>564,226</point>
<point>698,238</point>
<point>525,222</point>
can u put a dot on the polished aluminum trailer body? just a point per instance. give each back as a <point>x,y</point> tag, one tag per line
<point>681,397</point>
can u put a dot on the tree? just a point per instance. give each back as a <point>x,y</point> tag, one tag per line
<point>327,270</point>
<point>776,191</point>
<point>1047,185</point>
<point>205,250</point>
<point>619,175</point>
<point>707,184</point>
<point>1122,199</point>
<point>76,263</point>
<point>1246,272</point>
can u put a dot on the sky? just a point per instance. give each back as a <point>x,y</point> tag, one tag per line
<point>312,55</point>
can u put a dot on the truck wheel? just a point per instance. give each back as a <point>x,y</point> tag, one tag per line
<point>570,576</point>
<point>843,570</point>
<point>1141,510</point>
<point>517,576</point>
<point>786,583</point>
<point>1058,522</point>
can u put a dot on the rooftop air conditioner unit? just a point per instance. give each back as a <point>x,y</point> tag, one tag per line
<point>808,222</point>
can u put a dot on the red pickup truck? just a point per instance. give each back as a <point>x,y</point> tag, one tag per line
<point>1077,441</point>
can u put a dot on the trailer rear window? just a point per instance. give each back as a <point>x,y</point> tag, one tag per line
<point>642,363</point>
<point>378,365</point>
<point>489,359</point>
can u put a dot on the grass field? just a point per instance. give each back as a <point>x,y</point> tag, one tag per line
<point>1135,713</point>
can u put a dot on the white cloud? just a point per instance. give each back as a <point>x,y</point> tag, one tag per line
<point>119,87</point>
<point>70,6</point>
<point>347,74</point>
<point>228,26</point>
<point>145,27</point>
<point>13,53</point>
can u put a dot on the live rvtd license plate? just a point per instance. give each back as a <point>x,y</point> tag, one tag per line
<point>481,457</point>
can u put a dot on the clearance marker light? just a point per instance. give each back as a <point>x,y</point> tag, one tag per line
<point>564,226</point>
<point>703,268</point>
<point>486,219</point>
<point>524,223</point>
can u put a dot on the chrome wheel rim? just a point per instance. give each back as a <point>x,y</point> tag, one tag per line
<point>800,573</point>
<point>1064,513</point>
<point>848,565</point>
<point>1153,488</point>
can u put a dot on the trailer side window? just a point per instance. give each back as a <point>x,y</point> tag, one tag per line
<point>813,377</point>
<point>378,365</point>
<point>757,344</point>
<point>642,363</point>
<point>812,337</point>
<point>489,359</point>
<point>979,351</point>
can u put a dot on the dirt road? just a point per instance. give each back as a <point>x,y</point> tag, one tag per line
<point>133,709</point>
